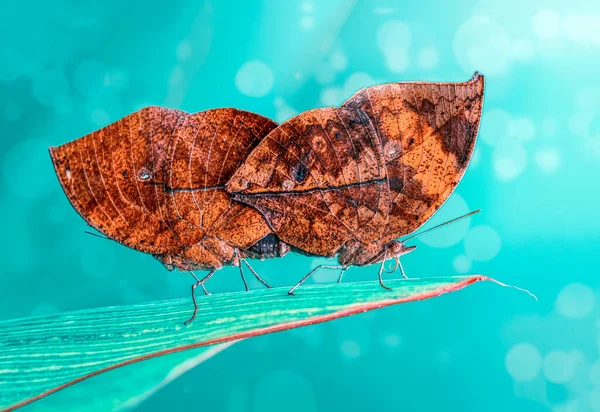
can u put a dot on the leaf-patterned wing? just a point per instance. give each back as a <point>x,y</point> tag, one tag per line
<point>154,181</point>
<point>206,150</point>
<point>428,133</point>
<point>319,179</point>
<point>105,173</point>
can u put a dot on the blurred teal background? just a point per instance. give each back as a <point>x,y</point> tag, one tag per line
<point>68,68</point>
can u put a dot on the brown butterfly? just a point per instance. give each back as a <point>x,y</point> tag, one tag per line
<point>154,181</point>
<point>349,182</point>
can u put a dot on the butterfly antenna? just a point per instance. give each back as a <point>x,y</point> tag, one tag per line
<point>441,225</point>
<point>96,234</point>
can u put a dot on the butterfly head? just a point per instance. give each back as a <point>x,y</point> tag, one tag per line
<point>396,249</point>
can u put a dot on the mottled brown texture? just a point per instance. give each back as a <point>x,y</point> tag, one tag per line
<point>350,181</point>
<point>192,188</point>
<point>154,181</point>
<point>428,133</point>
<point>319,180</point>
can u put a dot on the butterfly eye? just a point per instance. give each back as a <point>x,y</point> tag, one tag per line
<point>144,174</point>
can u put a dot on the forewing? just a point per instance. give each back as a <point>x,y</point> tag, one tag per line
<point>428,133</point>
<point>319,179</point>
<point>105,176</point>
<point>154,179</point>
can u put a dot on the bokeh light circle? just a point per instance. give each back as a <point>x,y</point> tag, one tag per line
<point>354,339</point>
<point>579,123</point>
<point>521,128</point>
<point>254,79</point>
<point>332,96</point>
<point>522,49</point>
<point>482,44</point>
<point>509,160</point>
<point>350,348</point>
<point>393,35</point>
<point>355,82</point>
<point>394,39</point>
<point>548,160</point>
<point>184,51</point>
<point>397,60</point>
<point>462,264</point>
<point>575,301</point>
<point>482,243</point>
<point>523,362</point>
<point>546,24</point>
<point>428,58</point>
<point>391,340</point>
<point>559,366</point>
<point>307,22</point>
<point>284,112</point>
<point>308,7</point>
<point>338,61</point>
<point>582,28</point>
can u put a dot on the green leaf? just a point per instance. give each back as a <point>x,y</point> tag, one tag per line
<point>42,355</point>
<point>124,389</point>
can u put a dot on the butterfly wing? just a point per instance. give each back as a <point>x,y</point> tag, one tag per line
<point>319,180</point>
<point>154,180</point>
<point>104,176</point>
<point>205,152</point>
<point>428,133</point>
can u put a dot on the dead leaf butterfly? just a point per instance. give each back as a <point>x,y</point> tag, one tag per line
<point>349,182</point>
<point>154,181</point>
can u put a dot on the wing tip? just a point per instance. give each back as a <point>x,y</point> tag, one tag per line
<point>477,76</point>
<point>478,79</point>
<point>53,152</point>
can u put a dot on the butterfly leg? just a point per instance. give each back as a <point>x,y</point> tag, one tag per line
<point>344,269</point>
<point>381,272</point>
<point>237,253</point>
<point>401,269</point>
<point>206,292</point>
<point>194,286</point>
<point>244,278</point>
<point>256,274</point>
<point>291,291</point>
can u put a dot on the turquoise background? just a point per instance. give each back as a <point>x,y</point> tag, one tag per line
<point>68,68</point>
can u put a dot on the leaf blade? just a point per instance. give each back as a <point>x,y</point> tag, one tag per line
<point>60,350</point>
